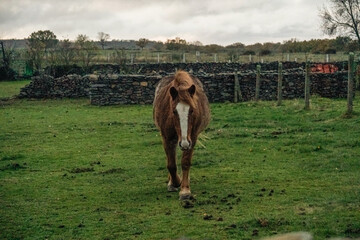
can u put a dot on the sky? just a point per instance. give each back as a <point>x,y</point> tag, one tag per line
<point>220,22</point>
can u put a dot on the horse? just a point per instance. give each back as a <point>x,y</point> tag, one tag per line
<point>180,111</point>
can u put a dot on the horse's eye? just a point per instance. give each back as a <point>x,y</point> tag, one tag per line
<point>191,111</point>
<point>175,112</point>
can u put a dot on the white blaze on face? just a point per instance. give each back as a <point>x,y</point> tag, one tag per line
<point>183,112</point>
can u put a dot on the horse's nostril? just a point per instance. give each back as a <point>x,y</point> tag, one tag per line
<point>185,145</point>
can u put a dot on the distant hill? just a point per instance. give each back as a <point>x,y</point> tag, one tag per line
<point>16,43</point>
<point>115,44</point>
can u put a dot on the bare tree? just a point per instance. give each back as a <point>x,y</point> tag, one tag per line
<point>103,38</point>
<point>66,52</point>
<point>341,17</point>
<point>85,50</point>
<point>142,43</point>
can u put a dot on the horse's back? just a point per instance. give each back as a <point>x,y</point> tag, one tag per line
<point>161,102</point>
<point>202,103</point>
<point>165,81</point>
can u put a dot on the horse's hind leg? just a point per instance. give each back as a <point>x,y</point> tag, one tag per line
<point>174,179</point>
<point>185,192</point>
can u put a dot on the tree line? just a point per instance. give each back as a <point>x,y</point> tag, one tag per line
<point>44,46</point>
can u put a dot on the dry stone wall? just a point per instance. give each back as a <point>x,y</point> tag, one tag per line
<point>140,89</point>
<point>109,88</point>
<point>115,89</point>
<point>45,86</point>
<point>167,68</point>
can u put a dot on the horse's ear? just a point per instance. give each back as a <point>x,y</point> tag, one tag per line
<point>173,93</point>
<point>192,90</point>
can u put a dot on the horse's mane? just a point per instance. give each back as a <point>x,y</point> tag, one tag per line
<point>182,82</point>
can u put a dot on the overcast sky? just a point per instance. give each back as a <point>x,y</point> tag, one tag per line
<point>208,21</point>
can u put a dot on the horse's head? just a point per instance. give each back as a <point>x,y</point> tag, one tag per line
<point>183,113</point>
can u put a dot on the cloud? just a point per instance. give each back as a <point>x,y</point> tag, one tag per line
<point>212,21</point>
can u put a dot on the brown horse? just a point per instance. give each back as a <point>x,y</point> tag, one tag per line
<point>181,111</point>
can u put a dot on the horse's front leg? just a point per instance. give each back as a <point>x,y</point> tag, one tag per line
<point>174,179</point>
<point>185,192</point>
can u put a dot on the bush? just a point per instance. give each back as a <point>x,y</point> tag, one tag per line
<point>7,74</point>
<point>249,52</point>
<point>265,52</point>
<point>330,51</point>
<point>61,70</point>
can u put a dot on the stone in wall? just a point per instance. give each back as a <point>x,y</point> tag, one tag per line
<point>123,89</point>
<point>45,86</point>
<point>39,87</point>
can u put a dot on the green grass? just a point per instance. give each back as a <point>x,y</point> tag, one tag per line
<point>69,170</point>
<point>11,88</point>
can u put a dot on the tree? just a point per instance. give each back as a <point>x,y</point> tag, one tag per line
<point>176,44</point>
<point>212,48</point>
<point>66,52</point>
<point>142,43</point>
<point>81,40</point>
<point>197,43</point>
<point>38,45</point>
<point>342,17</point>
<point>237,46</point>
<point>103,38</point>
<point>85,49</point>
<point>158,46</point>
<point>46,39</point>
<point>6,72</point>
<point>254,47</point>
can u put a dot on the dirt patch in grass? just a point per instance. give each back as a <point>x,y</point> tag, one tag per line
<point>113,170</point>
<point>12,166</point>
<point>81,170</point>
<point>11,157</point>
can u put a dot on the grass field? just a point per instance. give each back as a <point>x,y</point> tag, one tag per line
<point>11,88</point>
<point>69,170</point>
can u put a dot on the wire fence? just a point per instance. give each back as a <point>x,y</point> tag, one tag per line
<point>23,67</point>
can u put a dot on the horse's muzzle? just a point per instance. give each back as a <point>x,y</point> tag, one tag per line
<point>185,145</point>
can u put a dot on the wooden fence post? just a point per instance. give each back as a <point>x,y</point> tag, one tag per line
<point>350,84</point>
<point>280,78</point>
<point>257,86</point>
<point>307,85</point>
<point>357,77</point>
<point>197,56</point>
<point>237,91</point>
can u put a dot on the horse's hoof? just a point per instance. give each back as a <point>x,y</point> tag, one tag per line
<point>187,204</point>
<point>186,196</point>
<point>171,188</point>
